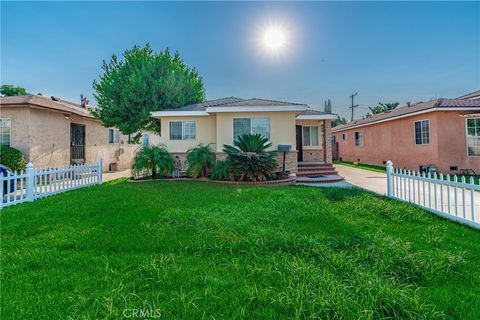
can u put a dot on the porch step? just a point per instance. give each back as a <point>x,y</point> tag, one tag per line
<point>315,168</point>
<point>313,163</point>
<point>325,179</point>
<point>331,171</point>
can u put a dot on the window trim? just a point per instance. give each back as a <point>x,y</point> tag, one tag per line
<point>415,133</point>
<point>118,136</point>
<point>11,130</point>
<point>355,139</point>
<point>310,132</point>
<point>183,130</point>
<point>267,118</point>
<point>466,137</point>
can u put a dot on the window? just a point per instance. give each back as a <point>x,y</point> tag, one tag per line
<point>310,136</point>
<point>183,130</point>
<point>113,136</point>
<point>146,140</point>
<point>5,131</point>
<point>422,132</point>
<point>473,137</point>
<point>358,138</point>
<point>334,139</point>
<point>251,126</point>
<point>344,136</point>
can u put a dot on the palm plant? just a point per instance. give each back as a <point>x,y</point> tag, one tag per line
<point>249,160</point>
<point>155,161</point>
<point>220,171</point>
<point>199,160</point>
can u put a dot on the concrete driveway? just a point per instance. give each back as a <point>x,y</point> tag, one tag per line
<point>369,180</point>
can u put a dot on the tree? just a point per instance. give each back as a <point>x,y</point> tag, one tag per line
<point>11,90</point>
<point>383,107</point>
<point>328,106</point>
<point>339,121</point>
<point>142,82</point>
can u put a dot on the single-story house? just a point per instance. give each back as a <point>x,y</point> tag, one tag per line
<point>441,135</point>
<point>52,132</point>
<point>219,122</point>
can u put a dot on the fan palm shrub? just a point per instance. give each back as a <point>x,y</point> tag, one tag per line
<point>200,160</point>
<point>153,161</point>
<point>249,160</point>
<point>220,171</point>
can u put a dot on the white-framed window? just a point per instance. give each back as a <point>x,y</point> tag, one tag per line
<point>183,130</point>
<point>473,136</point>
<point>358,138</point>
<point>422,132</point>
<point>113,136</point>
<point>310,136</point>
<point>251,126</point>
<point>146,140</point>
<point>344,136</point>
<point>5,131</point>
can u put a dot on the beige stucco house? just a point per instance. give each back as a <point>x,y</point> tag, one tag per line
<point>52,132</point>
<point>221,121</point>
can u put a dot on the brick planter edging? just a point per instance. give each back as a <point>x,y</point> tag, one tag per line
<point>281,182</point>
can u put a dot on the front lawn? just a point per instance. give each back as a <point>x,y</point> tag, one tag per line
<point>196,250</point>
<point>369,167</point>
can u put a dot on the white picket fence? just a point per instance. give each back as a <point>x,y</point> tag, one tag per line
<point>34,183</point>
<point>448,196</point>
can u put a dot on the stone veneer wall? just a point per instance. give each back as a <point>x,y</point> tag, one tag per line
<point>328,135</point>
<point>291,163</point>
<point>313,155</point>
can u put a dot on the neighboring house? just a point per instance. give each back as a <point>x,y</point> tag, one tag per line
<point>52,132</point>
<point>441,133</point>
<point>221,121</point>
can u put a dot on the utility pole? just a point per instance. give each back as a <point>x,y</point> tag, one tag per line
<point>353,105</point>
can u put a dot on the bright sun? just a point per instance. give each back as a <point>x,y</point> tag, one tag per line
<point>274,39</point>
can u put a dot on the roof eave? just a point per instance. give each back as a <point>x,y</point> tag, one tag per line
<point>274,108</point>
<point>316,117</point>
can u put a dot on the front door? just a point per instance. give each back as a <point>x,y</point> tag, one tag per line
<point>77,143</point>
<point>299,143</point>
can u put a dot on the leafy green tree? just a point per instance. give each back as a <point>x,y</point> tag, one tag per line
<point>142,82</point>
<point>383,107</point>
<point>200,160</point>
<point>248,159</point>
<point>339,121</point>
<point>11,90</point>
<point>328,106</point>
<point>154,161</point>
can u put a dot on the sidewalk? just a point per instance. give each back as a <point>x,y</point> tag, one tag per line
<point>115,175</point>
<point>365,179</point>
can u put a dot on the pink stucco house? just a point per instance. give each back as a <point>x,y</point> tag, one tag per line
<point>443,134</point>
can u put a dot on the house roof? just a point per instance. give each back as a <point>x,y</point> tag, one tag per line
<point>52,103</point>
<point>234,102</point>
<point>437,104</point>
<point>471,95</point>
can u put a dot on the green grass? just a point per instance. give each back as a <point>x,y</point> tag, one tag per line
<point>200,250</point>
<point>362,166</point>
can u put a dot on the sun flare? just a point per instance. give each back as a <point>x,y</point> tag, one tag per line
<point>274,38</point>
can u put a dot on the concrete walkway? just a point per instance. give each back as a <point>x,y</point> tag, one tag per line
<point>115,175</point>
<point>365,179</point>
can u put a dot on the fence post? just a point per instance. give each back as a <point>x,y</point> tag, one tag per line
<point>99,170</point>
<point>389,178</point>
<point>30,187</point>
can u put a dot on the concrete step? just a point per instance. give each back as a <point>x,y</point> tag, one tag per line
<point>315,168</point>
<point>326,179</point>
<point>317,173</point>
<point>313,163</point>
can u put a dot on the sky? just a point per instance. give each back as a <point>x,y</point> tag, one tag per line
<point>385,51</point>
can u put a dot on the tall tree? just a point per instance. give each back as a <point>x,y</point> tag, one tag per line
<point>11,90</point>
<point>142,82</point>
<point>328,106</point>
<point>383,107</point>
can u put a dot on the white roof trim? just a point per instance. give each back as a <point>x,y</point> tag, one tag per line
<point>257,108</point>
<point>158,114</point>
<point>408,115</point>
<point>316,116</point>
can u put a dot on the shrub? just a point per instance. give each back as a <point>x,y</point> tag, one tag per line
<point>199,160</point>
<point>153,160</point>
<point>12,158</point>
<point>220,171</point>
<point>248,160</point>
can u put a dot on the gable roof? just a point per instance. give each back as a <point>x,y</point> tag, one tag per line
<point>52,104</point>
<point>471,95</point>
<point>432,105</point>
